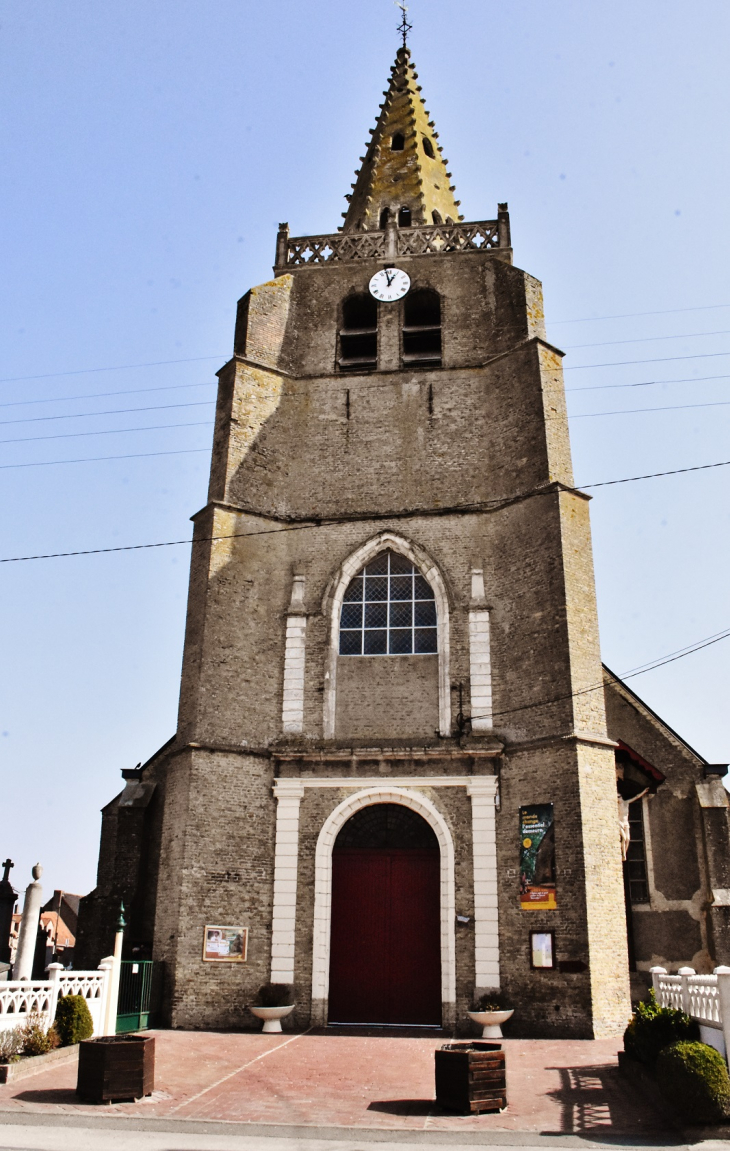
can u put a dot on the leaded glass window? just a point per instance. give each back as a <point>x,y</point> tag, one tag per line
<point>636,859</point>
<point>388,609</point>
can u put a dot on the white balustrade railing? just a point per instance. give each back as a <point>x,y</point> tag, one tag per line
<point>24,997</point>
<point>705,998</point>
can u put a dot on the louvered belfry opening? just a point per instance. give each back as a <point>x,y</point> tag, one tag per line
<point>359,334</point>
<point>385,956</point>
<point>422,327</point>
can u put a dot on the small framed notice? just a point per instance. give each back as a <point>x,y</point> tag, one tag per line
<point>225,944</point>
<point>542,950</point>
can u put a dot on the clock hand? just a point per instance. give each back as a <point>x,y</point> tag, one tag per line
<point>388,277</point>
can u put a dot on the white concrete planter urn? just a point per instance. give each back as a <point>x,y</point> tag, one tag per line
<point>491,1021</point>
<point>272,1017</point>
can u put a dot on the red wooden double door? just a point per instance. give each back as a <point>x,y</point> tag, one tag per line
<point>385,964</point>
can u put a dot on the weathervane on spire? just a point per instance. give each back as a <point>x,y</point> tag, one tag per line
<point>404,27</point>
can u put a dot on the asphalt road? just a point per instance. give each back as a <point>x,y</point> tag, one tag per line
<point>69,1133</point>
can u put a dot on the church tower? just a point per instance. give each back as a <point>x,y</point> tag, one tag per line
<point>391,766</point>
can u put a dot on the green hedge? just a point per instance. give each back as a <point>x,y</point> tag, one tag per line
<point>652,1028</point>
<point>693,1077</point>
<point>73,1020</point>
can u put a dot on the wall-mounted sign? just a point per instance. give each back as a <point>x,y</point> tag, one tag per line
<point>225,944</point>
<point>542,950</point>
<point>537,858</point>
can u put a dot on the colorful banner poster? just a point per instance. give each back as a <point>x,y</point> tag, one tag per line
<point>537,858</point>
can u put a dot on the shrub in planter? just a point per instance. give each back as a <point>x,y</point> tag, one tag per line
<point>653,1028</point>
<point>275,995</point>
<point>73,1020</point>
<point>491,1001</point>
<point>34,1038</point>
<point>11,1045</point>
<point>693,1077</point>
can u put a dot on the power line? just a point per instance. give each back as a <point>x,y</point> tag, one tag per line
<point>634,315</point>
<point>209,424</point>
<point>101,395</point>
<point>686,650</point>
<point>106,432</point>
<point>661,662</point>
<point>111,412</point>
<point>222,356</point>
<point>647,340</point>
<point>477,506</point>
<point>658,360</point>
<point>656,475</point>
<point>97,459</point>
<point>634,411</point>
<point>645,383</point>
<point>114,368</point>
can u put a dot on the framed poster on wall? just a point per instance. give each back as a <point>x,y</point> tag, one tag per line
<point>542,951</point>
<point>537,858</point>
<point>225,944</point>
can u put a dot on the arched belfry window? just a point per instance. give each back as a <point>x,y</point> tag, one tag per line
<point>422,327</point>
<point>404,217</point>
<point>428,147</point>
<point>384,217</point>
<point>398,143</point>
<point>359,333</point>
<point>388,609</point>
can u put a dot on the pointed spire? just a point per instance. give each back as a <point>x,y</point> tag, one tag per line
<point>404,166</point>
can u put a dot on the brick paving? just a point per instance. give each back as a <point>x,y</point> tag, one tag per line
<point>381,1082</point>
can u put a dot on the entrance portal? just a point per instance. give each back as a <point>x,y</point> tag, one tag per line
<point>385,955</point>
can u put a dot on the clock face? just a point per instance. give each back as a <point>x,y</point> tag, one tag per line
<point>390,284</point>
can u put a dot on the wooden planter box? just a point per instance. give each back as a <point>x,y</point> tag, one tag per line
<point>116,1067</point>
<point>470,1077</point>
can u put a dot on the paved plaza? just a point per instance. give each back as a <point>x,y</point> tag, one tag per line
<point>379,1086</point>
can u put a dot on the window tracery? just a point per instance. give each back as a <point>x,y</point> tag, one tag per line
<point>388,609</point>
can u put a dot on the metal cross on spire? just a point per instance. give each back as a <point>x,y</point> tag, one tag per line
<point>404,27</point>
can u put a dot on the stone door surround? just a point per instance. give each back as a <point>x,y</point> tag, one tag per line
<point>405,790</point>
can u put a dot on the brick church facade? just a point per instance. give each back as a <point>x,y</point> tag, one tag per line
<point>392,663</point>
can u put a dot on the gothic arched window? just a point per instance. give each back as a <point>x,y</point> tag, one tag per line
<point>404,217</point>
<point>384,217</point>
<point>422,327</point>
<point>397,144</point>
<point>359,333</point>
<point>388,609</point>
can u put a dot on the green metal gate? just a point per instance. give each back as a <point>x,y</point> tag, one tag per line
<point>135,995</point>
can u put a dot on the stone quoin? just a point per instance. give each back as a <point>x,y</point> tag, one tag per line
<point>392,664</point>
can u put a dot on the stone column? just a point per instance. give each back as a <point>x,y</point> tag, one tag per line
<point>292,707</point>
<point>112,1003</point>
<point>23,967</point>
<point>8,897</point>
<point>483,790</point>
<point>480,665</point>
<point>288,794</point>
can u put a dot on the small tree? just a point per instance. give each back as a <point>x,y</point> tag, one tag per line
<point>73,1020</point>
<point>34,1038</point>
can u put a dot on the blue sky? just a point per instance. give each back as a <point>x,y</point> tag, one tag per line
<point>150,151</point>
